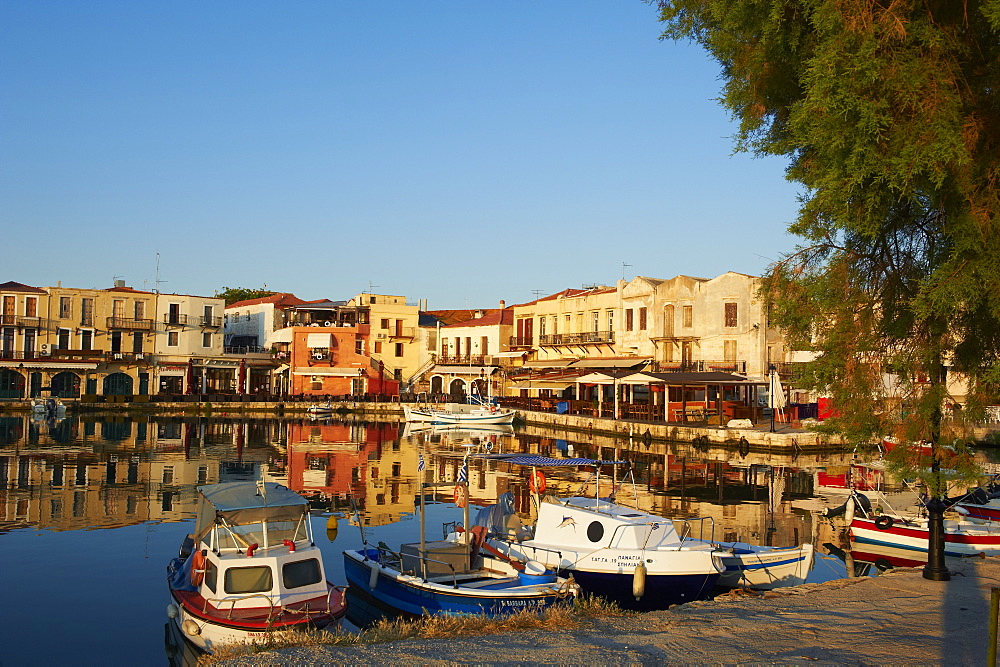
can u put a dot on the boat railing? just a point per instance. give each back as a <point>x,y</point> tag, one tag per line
<point>525,547</point>
<point>397,560</point>
<point>687,529</point>
<point>232,607</point>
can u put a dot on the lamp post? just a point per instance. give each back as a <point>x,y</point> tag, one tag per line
<point>770,391</point>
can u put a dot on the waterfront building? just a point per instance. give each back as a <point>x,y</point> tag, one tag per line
<point>470,350</point>
<point>188,346</point>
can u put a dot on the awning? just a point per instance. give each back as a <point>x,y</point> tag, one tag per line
<point>321,340</point>
<point>55,365</point>
<point>282,335</point>
<point>281,369</point>
<point>464,370</point>
<point>608,363</point>
<point>336,372</point>
<point>510,354</point>
<point>554,363</point>
<point>542,384</point>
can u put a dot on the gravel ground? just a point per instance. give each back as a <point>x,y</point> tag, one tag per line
<point>896,618</point>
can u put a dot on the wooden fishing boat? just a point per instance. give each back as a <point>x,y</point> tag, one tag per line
<point>250,568</point>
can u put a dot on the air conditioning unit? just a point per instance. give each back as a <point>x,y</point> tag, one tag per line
<point>119,356</point>
<point>318,356</point>
<point>46,349</point>
<point>140,355</point>
<point>378,335</point>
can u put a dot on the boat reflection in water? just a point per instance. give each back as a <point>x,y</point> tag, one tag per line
<point>73,491</point>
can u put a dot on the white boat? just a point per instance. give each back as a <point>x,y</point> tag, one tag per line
<point>603,544</point>
<point>317,409</point>
<point>459,414</point>
<point>251,567</point>
<point>49,408</point>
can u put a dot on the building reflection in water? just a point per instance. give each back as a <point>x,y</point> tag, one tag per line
<point>88,472</point>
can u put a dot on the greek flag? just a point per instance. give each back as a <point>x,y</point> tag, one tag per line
<point>420,462</point>
<point>463,472</point>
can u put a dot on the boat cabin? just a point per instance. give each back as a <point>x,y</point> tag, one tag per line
<point>255,543</point>
<point>592,523</point>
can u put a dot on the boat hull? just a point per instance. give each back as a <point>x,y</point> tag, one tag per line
<point>499,417</point>
<point>765,568</point>
<point>661,591</point>
<point>965,540</point>
<point>412,596</point>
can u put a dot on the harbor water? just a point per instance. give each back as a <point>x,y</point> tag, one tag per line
<point>93,508</point>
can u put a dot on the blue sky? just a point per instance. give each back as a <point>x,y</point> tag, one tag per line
<point>462,152</point>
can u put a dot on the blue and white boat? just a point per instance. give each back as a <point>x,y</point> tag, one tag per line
<point>632,557</point>
<point>460,574</point>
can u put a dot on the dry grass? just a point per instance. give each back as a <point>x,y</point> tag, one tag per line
<point>559,617</point>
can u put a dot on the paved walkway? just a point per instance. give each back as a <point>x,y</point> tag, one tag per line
<point>896,618</point>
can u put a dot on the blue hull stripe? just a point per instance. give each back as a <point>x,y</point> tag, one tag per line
<point>661,590</point>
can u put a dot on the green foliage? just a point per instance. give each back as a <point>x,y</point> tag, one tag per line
<point>234,294</point>
<point>888,113</point>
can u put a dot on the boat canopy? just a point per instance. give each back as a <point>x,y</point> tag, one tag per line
<point>243,503</point>
<point>544,461</point>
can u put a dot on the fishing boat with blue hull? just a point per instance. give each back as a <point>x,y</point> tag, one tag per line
<point>459,574</point>
<point>250,568</point>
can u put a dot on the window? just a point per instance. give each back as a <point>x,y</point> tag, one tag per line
<point>86,339</point>
<point>211,575</point>
<point>359,346</point>
<point>378,347</point>
<point>688,315</point>
<point>30,306</point>
<point>173,339</point>
<point>87,312</point>
<point>137,342</point>
<point>118,309</point>
<point>731,318</point>
<point>444,347</point>
<point>484,345</point>
<point>399,349</point>
<point>317,382</point>
<point>116,341</point>
<point>174,313</point>
<point>248,579</point>
<point>541,326</point>
<point>62,339</point>
<point>384,323</point>
<point>729,348</point>
<point>206,339</point>
<point>140,310</point>
<point>29,342</point>
<point>642,319</point>
<point>611,320</point>
<point>65,307</point>
<point>596,320</point>
<point>168,474</point>
<point>628,320</point>
<point>555,324</point>
<point>301,573</point>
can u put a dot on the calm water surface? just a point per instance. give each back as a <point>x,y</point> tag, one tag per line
<point>91,510</point>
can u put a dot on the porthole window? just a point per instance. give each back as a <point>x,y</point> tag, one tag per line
<point>595,531</point>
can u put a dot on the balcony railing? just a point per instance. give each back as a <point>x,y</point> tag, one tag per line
<point>207,321</point>
<point>248,349</point>
<point>583,338</point>
<point>700,366</point>
<point>175,319</point>
<point>403,332</point>
<point>129,357</point>
<point>522,341</point>
<point>20,321</point>
<point>468,360</point>
<point>130,323</point>
<point>97,355</point>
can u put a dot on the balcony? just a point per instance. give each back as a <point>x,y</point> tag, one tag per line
<point>128,357</point>
<point>175,319</point>
<point>86,355</point>
<point>467,360</point>
<point>584,338</point>
<point>130,323</point>
<point>700,366</point>
<point>207,321</point>
<point>403,332</point>
<point>21,321</point>
<point>522,341</point>
<point>242,350</point>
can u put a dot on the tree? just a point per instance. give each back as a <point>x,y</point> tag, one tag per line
<point>889,115</point>
<point>234,294</point>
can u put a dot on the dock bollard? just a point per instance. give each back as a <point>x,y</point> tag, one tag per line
<point>991,653</point>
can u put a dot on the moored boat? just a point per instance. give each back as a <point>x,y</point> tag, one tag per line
<point>251,567</point>
<point>459,414</point>
<point>318,409</point>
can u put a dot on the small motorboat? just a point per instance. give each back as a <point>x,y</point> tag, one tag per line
<point>460,414</point>
<point>251,567</point>
<point>460,574</point>
<point>636,558</point>
<point>320,409</point>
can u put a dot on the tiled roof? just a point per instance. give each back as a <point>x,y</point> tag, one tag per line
<point>278,299</point>
<point>12,286</point>
<point>490,318</point>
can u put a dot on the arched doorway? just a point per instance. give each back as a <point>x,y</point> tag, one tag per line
<point>66,385</point>
<point>437,382</point>
<point>457,387</point>
<point>11,384</point>
<point>118,384</point>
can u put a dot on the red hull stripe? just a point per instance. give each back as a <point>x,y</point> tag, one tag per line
<point>256,618</point>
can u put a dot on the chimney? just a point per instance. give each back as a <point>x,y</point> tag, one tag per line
<point>503,304</point>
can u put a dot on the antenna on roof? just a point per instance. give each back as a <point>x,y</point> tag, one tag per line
<point>624,265</point>
<point>156,279</point>
<point>371,287</point>
<point>536,292</point>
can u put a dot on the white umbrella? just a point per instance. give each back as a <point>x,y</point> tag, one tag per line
<point>775,393</point>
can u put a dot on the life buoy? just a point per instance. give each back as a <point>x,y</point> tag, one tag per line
<point>536,481</point>
<point>197,567</point>
<point>883,522</point>
<point>461,495</point>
